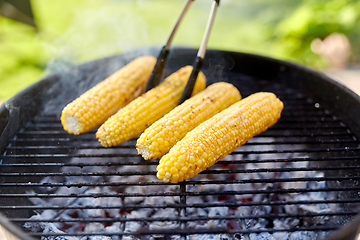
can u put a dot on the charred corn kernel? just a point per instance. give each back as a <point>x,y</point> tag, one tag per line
<point>139,114</point>
<point>97,104</point>
<point>220,135</point>
<point>161,136</point>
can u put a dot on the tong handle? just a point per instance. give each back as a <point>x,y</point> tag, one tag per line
<point>200,56</point>
<point>158,71</point>
<point>192,79</point>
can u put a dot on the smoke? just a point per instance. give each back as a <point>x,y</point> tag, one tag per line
<point>101,31</point>
<point>107,28</point>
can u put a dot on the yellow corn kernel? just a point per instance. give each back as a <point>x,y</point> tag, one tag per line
<point>139,114</point>
<point>220,135</point>
<point>164,133</point>
<point>97,104</point>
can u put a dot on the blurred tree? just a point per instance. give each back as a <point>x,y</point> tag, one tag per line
<point>69,32</point>
<point>21,55</point>
<point>318,19</point>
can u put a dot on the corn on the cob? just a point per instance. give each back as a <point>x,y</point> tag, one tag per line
<point>161,136</point>
<point>97,104</point>
<point>218,136</point>
<point>139,114</point>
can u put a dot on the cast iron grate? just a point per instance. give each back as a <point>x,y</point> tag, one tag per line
<point>300,176</point>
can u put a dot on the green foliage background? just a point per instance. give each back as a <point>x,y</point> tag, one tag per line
<point>71,32</point>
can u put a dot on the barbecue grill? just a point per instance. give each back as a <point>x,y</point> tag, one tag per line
<point>297,180</point>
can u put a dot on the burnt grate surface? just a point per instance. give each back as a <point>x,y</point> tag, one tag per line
<point>298,179</point>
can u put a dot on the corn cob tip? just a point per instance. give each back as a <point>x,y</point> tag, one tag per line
<point>71,124</point>
<point>143,151</point>
<point>94,106</point>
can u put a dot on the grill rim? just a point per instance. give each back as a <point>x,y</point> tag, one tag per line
<point>336,96</point>
<point>338,99</point>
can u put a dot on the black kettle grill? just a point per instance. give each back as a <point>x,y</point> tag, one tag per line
<point>299,178</point>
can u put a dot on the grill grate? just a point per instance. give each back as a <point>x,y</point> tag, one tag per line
<point>264,187</point>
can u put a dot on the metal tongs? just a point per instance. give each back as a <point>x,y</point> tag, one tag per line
<point>159,70</point>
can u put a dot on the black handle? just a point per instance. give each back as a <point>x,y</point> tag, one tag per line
<point>191,82</point>
<point>159,70</point>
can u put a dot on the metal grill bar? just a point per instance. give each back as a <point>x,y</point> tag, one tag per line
<point>225,162</point>
<point>195,232</point>
<point>187,219</point>
<point>71,147</point>
<point>81,165</point>
<point>316,150</point>
<point>181,205</point>
<point>120,195</point>
<point>277,170</point>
